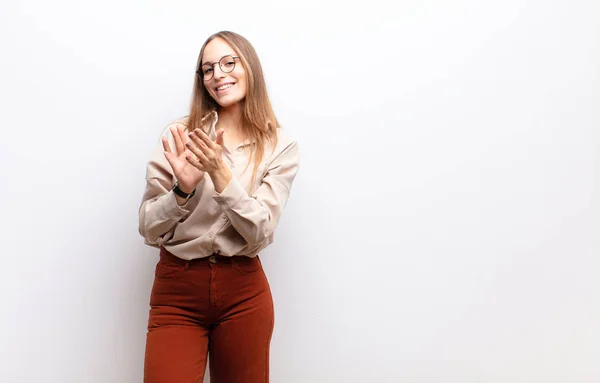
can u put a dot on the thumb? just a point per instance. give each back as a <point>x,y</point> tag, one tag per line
<point>220,139</point>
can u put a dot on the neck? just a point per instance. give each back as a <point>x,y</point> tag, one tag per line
<point>230,118</point>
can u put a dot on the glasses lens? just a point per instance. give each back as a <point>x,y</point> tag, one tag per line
<point>207,72</point>
<point>227,64</point>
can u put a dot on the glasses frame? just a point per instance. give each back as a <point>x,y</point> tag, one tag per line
<point>212,65</point>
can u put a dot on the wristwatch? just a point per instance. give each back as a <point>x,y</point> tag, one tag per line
<point>181,193</point>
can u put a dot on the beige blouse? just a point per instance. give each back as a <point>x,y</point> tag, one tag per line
<point>234,222</point>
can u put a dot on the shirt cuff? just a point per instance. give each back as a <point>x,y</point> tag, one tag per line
<point>231,195</point>
<point>171,209</point>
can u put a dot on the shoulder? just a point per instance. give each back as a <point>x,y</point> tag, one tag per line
<point>286,148</point>
<point>284,138</point>
<point>285,141</point>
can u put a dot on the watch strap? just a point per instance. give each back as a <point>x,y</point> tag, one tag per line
<point>181,193</point>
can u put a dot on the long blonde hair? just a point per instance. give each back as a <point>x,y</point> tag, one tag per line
<point>259,124</point>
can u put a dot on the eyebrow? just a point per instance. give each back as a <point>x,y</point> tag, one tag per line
<point>208,62</point>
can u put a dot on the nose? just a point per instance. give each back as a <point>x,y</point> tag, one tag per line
<point>217,72</point>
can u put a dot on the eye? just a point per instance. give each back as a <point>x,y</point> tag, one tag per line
<point>207,70</point>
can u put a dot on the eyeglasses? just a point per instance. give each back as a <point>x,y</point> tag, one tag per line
<point>226,64</point>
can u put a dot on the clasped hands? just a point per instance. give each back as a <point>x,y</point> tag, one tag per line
<point>196,154</point>
<point>207,154</point>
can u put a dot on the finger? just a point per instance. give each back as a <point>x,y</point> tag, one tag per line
<point>176,131</point>
<point>197,152</point>
<point>199,142</point>
<point>195,163</point>
<point>195,138</point>
<point>210,143</point>
<point>182,136</point>
<point>169,157</point>
<point>166,145</point>
<point>220,139</point>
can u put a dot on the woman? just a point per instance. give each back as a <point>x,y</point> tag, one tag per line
<point>215,191</point>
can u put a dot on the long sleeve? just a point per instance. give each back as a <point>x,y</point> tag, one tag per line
<point>255,217</point>
<point>159,212</point>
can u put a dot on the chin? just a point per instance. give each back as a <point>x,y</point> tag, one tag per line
<point>229,101</point>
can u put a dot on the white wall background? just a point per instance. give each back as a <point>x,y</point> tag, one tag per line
<point>444,226</point>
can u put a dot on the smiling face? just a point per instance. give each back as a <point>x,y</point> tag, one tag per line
<point>223,74</point>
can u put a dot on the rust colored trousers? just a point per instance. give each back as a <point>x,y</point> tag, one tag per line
<point>217,306</point>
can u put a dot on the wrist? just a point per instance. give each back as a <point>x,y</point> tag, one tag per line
<point>185,188</point>
<point>182,191</point>
<point>181,201</point>
<point>221,178</point>
<point>218,173</point>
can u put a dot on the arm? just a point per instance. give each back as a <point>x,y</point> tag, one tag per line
<point>160,210</point>
<point>255,217</point>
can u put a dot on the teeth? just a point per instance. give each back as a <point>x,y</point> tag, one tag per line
<point>225,86</point>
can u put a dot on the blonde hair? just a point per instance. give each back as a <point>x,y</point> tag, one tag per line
<point>259,124</point>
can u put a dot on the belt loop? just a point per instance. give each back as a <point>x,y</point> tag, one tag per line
<point>187,265</point>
